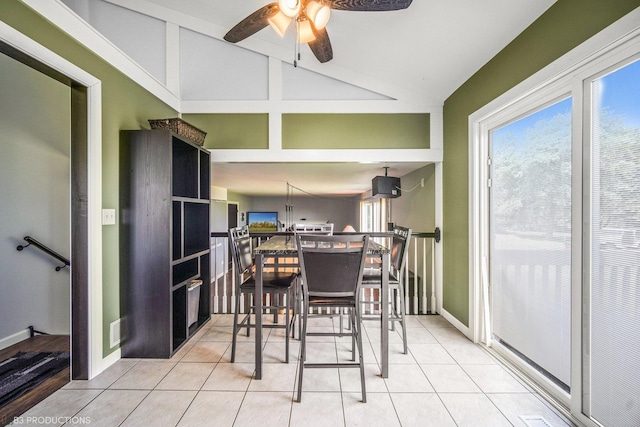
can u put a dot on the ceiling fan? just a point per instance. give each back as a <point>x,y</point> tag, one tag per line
<point>310,17</point>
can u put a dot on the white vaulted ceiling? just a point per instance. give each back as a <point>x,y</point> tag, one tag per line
<point>413,59</point>
<point>420,54</point>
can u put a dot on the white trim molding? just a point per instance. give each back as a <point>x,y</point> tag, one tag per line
<point>14,338</point>
<point>276,104</point>
<point>22,43</point>
<point>277,155</point>
<point>455,322</point>
<point>65,19</point>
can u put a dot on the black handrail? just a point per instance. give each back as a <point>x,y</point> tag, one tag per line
<point>43,248</point>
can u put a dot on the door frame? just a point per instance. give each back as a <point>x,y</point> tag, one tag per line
<point>86,196</point>
<point>238,221</point>
<point>229,263</point>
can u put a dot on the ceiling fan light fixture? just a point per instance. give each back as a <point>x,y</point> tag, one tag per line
<point>318,13</point>
<point>305,32</point>
<point>279,22</point>
<point>289,7</point>
<point>311,17</point>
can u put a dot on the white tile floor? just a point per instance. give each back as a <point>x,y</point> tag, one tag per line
<point>445,380</point>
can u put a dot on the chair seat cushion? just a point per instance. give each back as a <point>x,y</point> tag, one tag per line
<point>271,281</point>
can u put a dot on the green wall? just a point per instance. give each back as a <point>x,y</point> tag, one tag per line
<point>125,105</point>
<point>373,131</point>
<point>309,131</point>
<point>564,26</point>
<point>228,131</point>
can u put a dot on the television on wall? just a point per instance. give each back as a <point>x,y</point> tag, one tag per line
<point>262,221</point>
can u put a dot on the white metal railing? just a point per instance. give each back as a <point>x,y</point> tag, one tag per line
<point>418,277</point>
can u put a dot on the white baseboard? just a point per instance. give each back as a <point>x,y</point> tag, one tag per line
<point>456,323</point>
<point>109,360</point>
<point>14,339</point>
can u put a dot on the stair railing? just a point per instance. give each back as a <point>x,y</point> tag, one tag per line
<point>43,248</point>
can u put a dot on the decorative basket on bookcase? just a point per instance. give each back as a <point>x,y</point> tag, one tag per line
<point>180,127</point>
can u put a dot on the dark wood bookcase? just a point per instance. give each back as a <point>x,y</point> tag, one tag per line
<point>164,241</point>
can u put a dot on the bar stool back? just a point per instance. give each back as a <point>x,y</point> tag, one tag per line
<point>278,285</point>
<point>331,270</point>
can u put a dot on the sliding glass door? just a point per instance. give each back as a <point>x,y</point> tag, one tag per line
<point>530,239</point>
<point>556,235</point>
<point>611,369</point>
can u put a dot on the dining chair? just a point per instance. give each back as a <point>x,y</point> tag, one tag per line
<point>331,269</point>
<point>372,279</point>
<point>312,228</point>
<point>278,285</point>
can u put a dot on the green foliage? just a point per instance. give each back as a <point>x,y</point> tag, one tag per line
<point>532,175</point>
<point>619,176</point>
<point>263,226</point>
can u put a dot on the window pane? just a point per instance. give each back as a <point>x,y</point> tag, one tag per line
<point>615,239</point>
<point>530,248</point>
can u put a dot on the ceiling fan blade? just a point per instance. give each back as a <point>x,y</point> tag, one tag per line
<point>369,5</point>
<point>252,23</point>
<point>321,46</point>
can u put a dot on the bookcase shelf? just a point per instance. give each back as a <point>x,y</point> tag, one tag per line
<point>164,241</point>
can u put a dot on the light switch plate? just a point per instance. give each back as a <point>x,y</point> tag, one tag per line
<point>108,216</point>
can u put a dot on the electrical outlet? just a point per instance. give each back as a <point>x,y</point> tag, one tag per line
<point>108,216</point>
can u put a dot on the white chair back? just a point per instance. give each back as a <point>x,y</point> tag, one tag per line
<point>325,229</point>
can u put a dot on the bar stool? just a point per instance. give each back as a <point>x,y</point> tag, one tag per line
<point>331,269</point>
<point>276,284</point>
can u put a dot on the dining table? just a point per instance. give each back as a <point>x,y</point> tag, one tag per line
<point>283,247</point>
